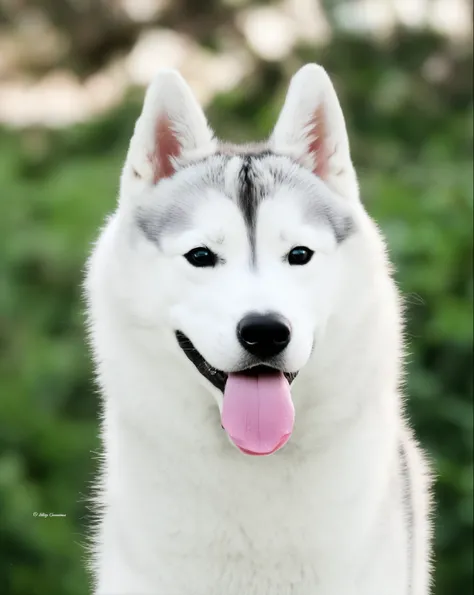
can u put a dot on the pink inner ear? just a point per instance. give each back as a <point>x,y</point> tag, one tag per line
<point>318,143</point>
<point>166,147</point>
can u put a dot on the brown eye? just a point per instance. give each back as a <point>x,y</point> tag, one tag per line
<point>300,255</point>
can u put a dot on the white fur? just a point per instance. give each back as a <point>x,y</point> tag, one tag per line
<point>185,513</point>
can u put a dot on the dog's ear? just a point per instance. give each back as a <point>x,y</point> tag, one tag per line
<point>311,129</point>
<point>171,129</point>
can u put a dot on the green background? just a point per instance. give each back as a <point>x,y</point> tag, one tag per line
<point>412,144</point>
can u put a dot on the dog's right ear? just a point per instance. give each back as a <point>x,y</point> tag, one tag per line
<point>171,129</point>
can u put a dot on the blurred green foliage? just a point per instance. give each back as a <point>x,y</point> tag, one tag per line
<point>412,144</point>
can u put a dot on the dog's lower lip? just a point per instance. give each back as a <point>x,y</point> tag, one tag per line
<point>216,377</point>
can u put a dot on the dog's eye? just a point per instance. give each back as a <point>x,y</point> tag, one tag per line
<point>300,255</point>
<point>201,257</point>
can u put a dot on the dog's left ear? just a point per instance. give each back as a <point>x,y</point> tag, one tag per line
<point>171,129</point>
<point>311,130</point>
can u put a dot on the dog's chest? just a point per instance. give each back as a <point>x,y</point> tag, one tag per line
<point>242,530</point>
<point>265,552</point>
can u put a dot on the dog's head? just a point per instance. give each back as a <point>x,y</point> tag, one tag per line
<point>237,249</point>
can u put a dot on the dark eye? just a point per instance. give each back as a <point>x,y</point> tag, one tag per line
<point>201,257</point>
<point>300,255</point>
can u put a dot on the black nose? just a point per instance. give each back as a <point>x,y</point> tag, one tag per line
<point>263,335</point>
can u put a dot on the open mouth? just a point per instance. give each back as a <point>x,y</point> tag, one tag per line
<point>257,408</point>
<point>216,377</point>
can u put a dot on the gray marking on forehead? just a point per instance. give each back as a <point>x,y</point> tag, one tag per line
<point>261,173</point>
<point>248,200</point>
<point>171,211</point>
<point>319,203</point>
<point>155,222</point>
<point>253,188</point>
<point>341,222</point>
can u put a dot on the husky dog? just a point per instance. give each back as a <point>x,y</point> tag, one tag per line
<point>241,304</point>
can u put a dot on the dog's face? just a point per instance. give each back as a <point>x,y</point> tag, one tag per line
<point>238,250</point>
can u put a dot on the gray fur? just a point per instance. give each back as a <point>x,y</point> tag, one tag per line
<point>154,223</point>
<point>261,173</point>
<point>250,195</point>
<point>316,210</point>
<point>176,215</point>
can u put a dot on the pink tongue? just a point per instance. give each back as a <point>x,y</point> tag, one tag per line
<point>258,412</point>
